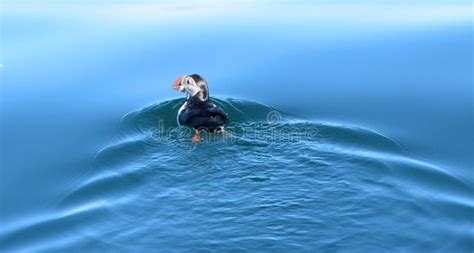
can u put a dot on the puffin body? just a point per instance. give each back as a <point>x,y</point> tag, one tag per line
<point>197,111</point>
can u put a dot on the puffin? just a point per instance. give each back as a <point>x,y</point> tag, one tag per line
<point>198,112</point>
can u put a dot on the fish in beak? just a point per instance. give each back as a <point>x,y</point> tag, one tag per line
<point>186,84</point>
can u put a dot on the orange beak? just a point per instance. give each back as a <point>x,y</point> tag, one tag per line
<point>177,83</point>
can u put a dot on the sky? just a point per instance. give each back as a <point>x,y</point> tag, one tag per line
<point>382,11</point>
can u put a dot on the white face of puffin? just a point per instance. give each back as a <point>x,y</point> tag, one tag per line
<point>188,84</point>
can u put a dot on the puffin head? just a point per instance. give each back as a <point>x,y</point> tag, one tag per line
<point>194,85</point>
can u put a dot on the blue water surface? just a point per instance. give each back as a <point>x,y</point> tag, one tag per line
<point>351,127</point>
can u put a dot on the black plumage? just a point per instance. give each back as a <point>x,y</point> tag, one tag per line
<point>203,116</point>
<point>198,112</point>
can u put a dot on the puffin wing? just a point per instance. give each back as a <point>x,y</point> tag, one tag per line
<point>218,112</point>
<point>210,117</point>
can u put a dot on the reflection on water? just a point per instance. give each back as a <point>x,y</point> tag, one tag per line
<point>372,152</point>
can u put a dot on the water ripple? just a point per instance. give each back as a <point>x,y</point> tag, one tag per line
<point>266,184</point>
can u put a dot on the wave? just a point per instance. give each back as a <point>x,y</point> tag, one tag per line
<point>269,161</point>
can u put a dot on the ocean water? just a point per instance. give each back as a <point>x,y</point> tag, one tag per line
<point>350,127</point>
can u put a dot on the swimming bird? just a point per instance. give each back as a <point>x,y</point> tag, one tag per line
<point>197,111</point>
